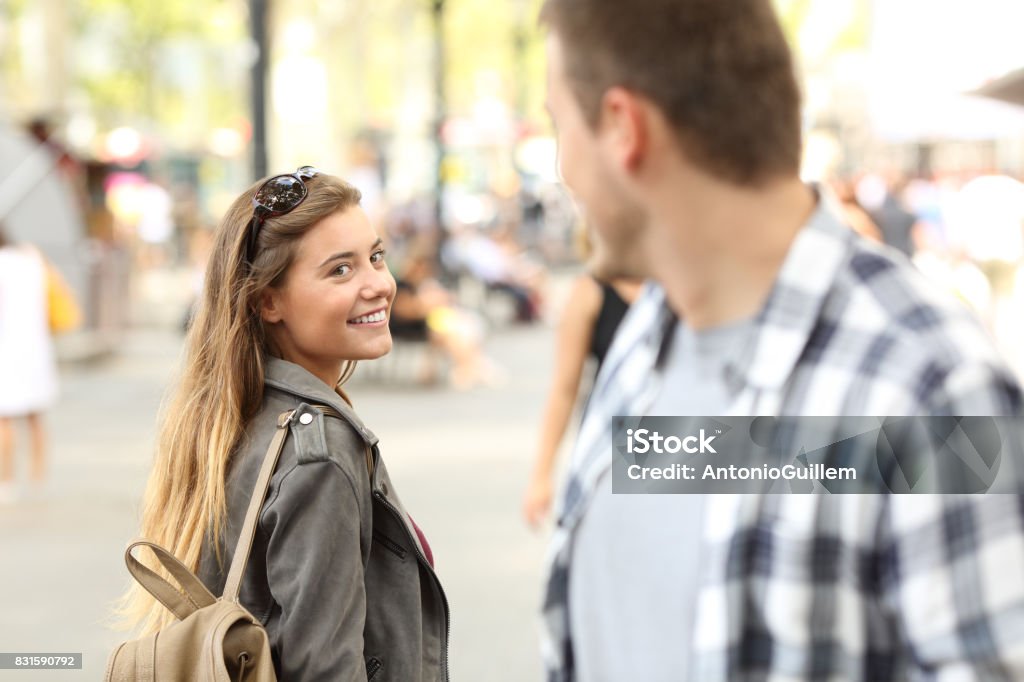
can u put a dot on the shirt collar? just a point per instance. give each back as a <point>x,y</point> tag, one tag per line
<point>783,327</point>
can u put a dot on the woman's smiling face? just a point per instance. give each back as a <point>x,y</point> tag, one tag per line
<point>335,299</point>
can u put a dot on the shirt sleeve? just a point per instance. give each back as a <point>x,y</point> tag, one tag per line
<point>954,573</point>
<point>953,565</point>
<point>315,573</point>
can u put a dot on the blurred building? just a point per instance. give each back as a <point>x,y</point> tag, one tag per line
<point>888,82</point>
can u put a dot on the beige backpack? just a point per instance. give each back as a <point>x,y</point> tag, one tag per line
<point>213,640</point>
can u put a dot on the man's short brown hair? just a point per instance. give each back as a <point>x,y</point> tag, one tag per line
<point>720,70</point>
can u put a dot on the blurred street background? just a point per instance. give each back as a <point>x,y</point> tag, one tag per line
<point>127,126</point>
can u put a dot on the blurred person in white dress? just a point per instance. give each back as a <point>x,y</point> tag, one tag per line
<point>28,367</point>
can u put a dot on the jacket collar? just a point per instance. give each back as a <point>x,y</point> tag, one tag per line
<point>293,379</point>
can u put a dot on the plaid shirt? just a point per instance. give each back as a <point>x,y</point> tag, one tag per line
<point>817,587</point>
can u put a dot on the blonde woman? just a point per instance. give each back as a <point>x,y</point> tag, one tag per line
<point>296,291</point>
<point>586,328</point>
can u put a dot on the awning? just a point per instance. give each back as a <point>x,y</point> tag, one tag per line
<point>1009,88</point>
<point>38,205</point>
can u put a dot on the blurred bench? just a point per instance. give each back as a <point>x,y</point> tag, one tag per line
<point>495,304</point>
<point>406,365</point>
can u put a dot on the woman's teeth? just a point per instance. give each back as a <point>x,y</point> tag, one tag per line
<point>379,316</point>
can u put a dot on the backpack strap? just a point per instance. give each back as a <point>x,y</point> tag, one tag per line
<point>241,557</point>
<point>259,494</point>
<point>182,604</point>
<point>193,594</point>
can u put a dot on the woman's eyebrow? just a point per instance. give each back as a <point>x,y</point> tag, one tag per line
<point>350,254</point>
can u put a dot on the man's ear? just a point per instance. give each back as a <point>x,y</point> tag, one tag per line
<point>624,127</point>
<point>270,305</point>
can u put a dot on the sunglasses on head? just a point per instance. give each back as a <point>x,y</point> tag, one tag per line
<point>277,196</point>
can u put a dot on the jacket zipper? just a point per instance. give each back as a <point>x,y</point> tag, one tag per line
<point>390,544</point>
<point>437,583</point>
<point>372,666</point>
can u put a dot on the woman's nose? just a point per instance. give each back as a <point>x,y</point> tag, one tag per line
<point>379,284</point>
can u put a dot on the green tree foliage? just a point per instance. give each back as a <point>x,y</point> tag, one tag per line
<point>165,64</point>
<point>798,18</point>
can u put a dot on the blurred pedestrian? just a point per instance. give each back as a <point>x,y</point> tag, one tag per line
<point>594,310</point>
<point>855,215</point>
<point>496,262</point>
<point>28,365</point>
<point>679,131</point>
<point>296,291</point>
<point>882,199</point>
<point>425,311</point>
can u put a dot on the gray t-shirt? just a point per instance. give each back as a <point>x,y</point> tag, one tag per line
<point>635,558</point>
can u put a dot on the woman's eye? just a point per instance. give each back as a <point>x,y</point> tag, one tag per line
<point>343,269</point>
<point>377,257</point>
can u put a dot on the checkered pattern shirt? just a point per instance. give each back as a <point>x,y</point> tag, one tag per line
<point>817,587</point>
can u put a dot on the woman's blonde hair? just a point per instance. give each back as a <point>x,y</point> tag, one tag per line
<point>221,384</point>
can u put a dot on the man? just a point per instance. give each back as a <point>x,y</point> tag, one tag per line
<point>679,133</point>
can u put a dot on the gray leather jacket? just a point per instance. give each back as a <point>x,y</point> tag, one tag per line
<point>337,573</point>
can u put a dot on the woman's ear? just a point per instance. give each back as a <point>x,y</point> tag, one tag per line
<point>270,305</point>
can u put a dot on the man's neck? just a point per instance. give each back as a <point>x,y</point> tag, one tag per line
<point>719,248</point>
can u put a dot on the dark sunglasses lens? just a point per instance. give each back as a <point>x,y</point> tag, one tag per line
<point>307,172</point>
<point>281,194</point>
